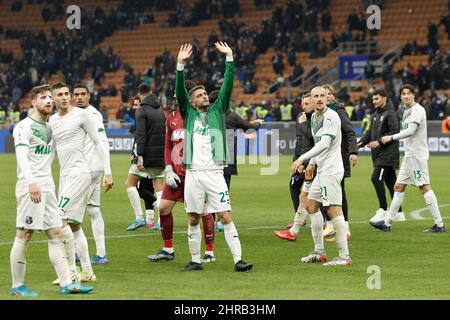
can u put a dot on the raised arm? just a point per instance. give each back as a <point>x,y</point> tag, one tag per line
<point>180,88</point>
<point>227,86</point>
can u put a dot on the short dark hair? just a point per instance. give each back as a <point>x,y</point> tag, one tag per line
<point>144,89</point>
<point>191,92</point>
<point>213,95</point>
<point>38,90</point>
<point>81,86</point>
<point>136,98</point>
<point>380,92</point>
<point>59,85</point>
<point>408,86</point>
<point>307,94</point>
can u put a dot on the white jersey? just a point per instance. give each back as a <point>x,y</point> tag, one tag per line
<point>89,148</point>
<point>37,137</point>
<point>417,144</point>
<point>202,157</point>
<point>69,133</point>
<point>329,162</point>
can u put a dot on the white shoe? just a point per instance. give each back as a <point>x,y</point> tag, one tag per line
<point>400,216</point>
<point>86,277</point>
<point>338,262</point>
<point>74,278</point>
<point>380,215</point>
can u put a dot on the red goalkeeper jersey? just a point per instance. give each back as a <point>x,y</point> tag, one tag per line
<point>173,150</point>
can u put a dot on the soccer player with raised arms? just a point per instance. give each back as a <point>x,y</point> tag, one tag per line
<point>326,186</point>
<point>414,169</point>
<point>205,154</point>
<point>70,126</point>
<point>37,208</point>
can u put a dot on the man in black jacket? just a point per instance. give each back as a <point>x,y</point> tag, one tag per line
<point>139,188</point>
<point>150,139</point>
<point>304,143</point>
<point>349,152</point>
<point>385,157</point>
<point>233,121</point>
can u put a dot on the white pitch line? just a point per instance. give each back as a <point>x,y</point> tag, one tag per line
<point>181,232</point>
<point>416,213</point>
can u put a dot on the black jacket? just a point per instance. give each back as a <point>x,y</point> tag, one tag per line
<point>384,122</point>
<point>348,144</point>
<point>305,140</point>
<point>234,121</point>
<point>150,132</point>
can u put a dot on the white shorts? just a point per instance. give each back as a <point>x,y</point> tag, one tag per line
<point>94,189</point>
<point>37,216</point>
<point>73,197</point>
<point>414,171</point>
<point>206,186</point>
<point>148,173</point>
<point>306,186</point>
<point>327,190</point>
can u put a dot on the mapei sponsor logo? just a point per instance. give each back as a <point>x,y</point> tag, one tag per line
<point>43,149</point>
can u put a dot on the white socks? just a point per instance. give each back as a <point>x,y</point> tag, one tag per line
<point>341,236</point>
<point>98,229</point>
<point>69,246</point>
<point>317,231</point>
<point>18,262</point>
<point>432,203</point>
<point>135,201</point>
<point>150,216</point>
<point>232,238</point>
<point>59,261</point>
<point>395,205</point>
<point>195,241</point>
<point>158,201</point>
<point>83,251</point>
<point>299,218</point>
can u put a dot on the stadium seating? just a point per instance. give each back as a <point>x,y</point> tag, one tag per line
<point>140,46</point>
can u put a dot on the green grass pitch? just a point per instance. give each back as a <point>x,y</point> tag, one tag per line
<point>413,265</point>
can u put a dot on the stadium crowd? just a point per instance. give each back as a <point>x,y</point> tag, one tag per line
<point>291,29</point>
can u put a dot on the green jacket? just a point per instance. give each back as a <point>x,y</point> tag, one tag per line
<point>215,113</point>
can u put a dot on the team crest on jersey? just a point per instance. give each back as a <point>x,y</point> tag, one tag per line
<point>29,220</point>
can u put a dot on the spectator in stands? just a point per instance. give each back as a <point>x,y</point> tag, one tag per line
<point>120,114</point>
<point>275,112</point>
<point>326,20</point>
<point>437,109</point>
<point>16,6</point>
<point>46,14</point>
<point>129,118</point>
<point>277,63</point>
<point>104,111</point>
<point>96,100</point>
